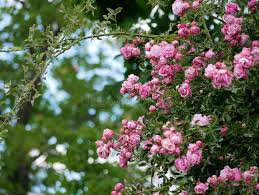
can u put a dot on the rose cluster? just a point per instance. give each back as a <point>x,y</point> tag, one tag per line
<point>193,157</point>
<point>186,30</point>
<point>168,143</point>
<point>233,26</point>
<point>129,139</point>
<point>130,51</point>
<point>179,7</point>
<point>105,144</point>
<point>219,74</point>
<point>245,60</point>
<point>227,175</point>
<point>118,189</point>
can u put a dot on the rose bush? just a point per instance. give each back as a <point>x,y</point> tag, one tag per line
<point>203,70</point>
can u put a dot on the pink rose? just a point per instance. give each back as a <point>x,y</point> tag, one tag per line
<point>247,176</point>
<point>196,5</point>
<point>231,8</point>
<point>119,187</point>
<point>191,73</point>
<point>213,180</point>
<point>240,72</point>
<point>152,108</point>
<point>236,175</point>
<point>167,144</point>
<point>209,54</point>
<point>168,51</point>
<point>233,29</point>
<point>200,120</point>
<point>179,7</point>
<point>155,51</point>
<point>185,89</point>
<point>157,138</point>
<point>225,174</point>
<point>210,71</point>
<point>129,51</point>
<point>132,124</point>
<point>201,188</point>
<point>108,134</point>
<point>182,164</point>
<point>198,63</point>
<point>154,149</point>
<point>252,5</point>
<point>134,139</point>
<point>183,30</point>
<point>183,193</point>
<point>145,90</point>
<point>104,151</point>
<point>194,158</point>
<point>219,74</point>
<point>195,29</point>
<point>223,130</point>
<point>114,193</point>
<point>176,138</point>
<point>166,70</point>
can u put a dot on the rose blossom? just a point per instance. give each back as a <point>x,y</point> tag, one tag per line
<point>212,180</point>
<point>195,29</point>
<point>129,51</point>
<point>231,8</point>
<point>179,7</point>
<point>152,108</point>
<point>194,158</point>
<point>247,176</point>
<point>200,120</point>
<point>108,134</point>
<point>219,74</point>
<point>183,193</point>
<point>223,130</point>
<point>119,187</point>
<point>154,149</point>
<point>191,73</point>
<point>182,164</point>
<point>252,5</point>
<point>201,188</point>
<point>185,89</point>
<point>209,54</point>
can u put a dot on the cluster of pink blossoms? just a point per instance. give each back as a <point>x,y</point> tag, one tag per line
<point>169,143</point>
<point>228,175</point>
<point>118,189</point>
<point>245,60</point>
<point>129,139</point>
<point>193,157</point>
<point>233,26</point>
<point>219,74</point>
<point>192,72</point>
<point>179,7</point>
<point>186,30</point>
<point>130,50</point>
<point>105,144</point>
<point>200,120</point>
<point>160,56</point>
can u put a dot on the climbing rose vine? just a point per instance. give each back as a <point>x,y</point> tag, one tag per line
<point>200,134</point>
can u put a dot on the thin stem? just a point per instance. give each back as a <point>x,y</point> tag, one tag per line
<point>90,37</point>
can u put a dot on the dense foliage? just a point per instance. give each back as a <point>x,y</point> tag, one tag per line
<point>201,133</point>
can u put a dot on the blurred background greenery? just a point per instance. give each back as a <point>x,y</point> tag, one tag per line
<point>51,149</point>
